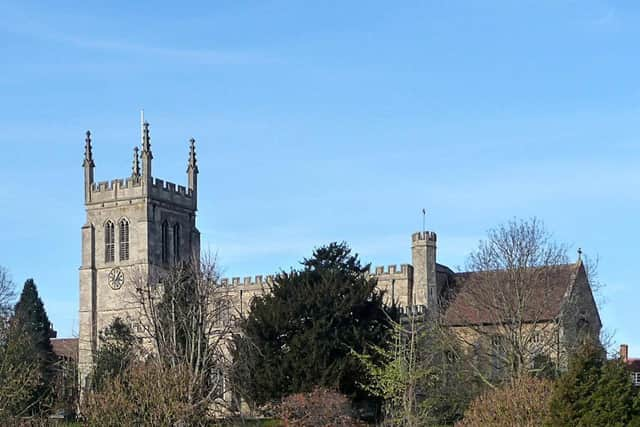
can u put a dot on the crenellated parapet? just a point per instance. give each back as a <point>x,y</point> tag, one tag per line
<point>141,184</point>
<point>168,191</point>
<point>396,282</point>
<point>392,270</point>
<point>115,190</point>
<point>428,236</point>
<point>235,283</point>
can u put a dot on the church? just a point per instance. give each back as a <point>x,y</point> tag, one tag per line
<point>142,225</point>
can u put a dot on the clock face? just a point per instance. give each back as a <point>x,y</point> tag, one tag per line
<point>116,278</point>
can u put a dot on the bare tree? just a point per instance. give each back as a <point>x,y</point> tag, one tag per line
<point>424,377</point>
<point>506,308</point>
<point>187,318</point>
<point>6,292</point>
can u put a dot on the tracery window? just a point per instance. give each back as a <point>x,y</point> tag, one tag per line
<point>176,242</point>
<point>124,240</point>
<point>165,242</point>
<point>109,242</point>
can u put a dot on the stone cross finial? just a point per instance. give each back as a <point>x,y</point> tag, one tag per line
<point>136,163</point>
<point>88,154</point>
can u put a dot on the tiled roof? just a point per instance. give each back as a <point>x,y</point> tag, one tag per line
<point>65,347</point>
<point>470,300</point>
<point>634,365</point>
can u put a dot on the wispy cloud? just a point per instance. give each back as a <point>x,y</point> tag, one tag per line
<point>43,32</point>
<point>607,18</point>
<point>201,56</point>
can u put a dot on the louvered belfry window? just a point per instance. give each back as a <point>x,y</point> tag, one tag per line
<point>124,240</point>
<point>109,242</point>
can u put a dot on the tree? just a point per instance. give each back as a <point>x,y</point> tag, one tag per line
<point>393,372</point>
<point>424,378</point>
<point>613,399</point>
<point>594,391</point>
<point>185,315</point>
<point>117,351</point>
<point>522,402</point>
<point>514,280</point>
<point>303,333</point>
<point>149,394</point>
<point>6,293</point>
<point>31,318</point>
<point>19,374</point>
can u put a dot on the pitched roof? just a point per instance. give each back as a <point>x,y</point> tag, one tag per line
<point>65,347</point>
<point>476,298</point>
<point>634,364</point>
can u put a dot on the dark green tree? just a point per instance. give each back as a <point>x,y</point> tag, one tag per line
<point>116,352</point>
<point>594,391</point>
<point>31,318</point>
<point>304,332</point>
<point>573,391</point>
<point>612,403</point>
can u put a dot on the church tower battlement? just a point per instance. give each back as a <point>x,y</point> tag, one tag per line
<point>136,227</point>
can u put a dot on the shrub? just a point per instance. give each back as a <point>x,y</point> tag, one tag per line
<point>146,394</point>
<point>320,407</point>
<point>524,402</point>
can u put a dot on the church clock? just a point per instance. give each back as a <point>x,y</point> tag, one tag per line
<point>116,278</point>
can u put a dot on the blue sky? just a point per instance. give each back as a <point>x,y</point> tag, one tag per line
<point>321,121</point>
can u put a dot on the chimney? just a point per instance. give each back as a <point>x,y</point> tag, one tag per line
<point>624,352</point>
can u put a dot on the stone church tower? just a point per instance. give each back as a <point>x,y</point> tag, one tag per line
<point>135,228</point>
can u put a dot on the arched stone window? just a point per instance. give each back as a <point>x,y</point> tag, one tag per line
<point>124,240</point>
<point>165,242</point>
<point>176,242</point>
<point>109,242</point>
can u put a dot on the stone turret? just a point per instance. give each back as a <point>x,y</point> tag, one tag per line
<point>423,258</point>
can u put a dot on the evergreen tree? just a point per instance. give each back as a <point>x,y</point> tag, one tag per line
<point>571,396</point>
<point>31,318</point>
<point>304,332</point>
<point>613,400</point>
<point>116,352</point>
<point>594,392</point>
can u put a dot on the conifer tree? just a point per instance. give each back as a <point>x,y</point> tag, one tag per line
<point>594,392</point>
<point>116,353</point>
<point>31,318</point>
<point>303,332</point>
<point>612,403</point>
<point>571,396</point>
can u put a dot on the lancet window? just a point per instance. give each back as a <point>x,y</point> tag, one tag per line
<point>124,240</point>
<point>176,242</point>
<point>165,242</point>
<point>109,242</point>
